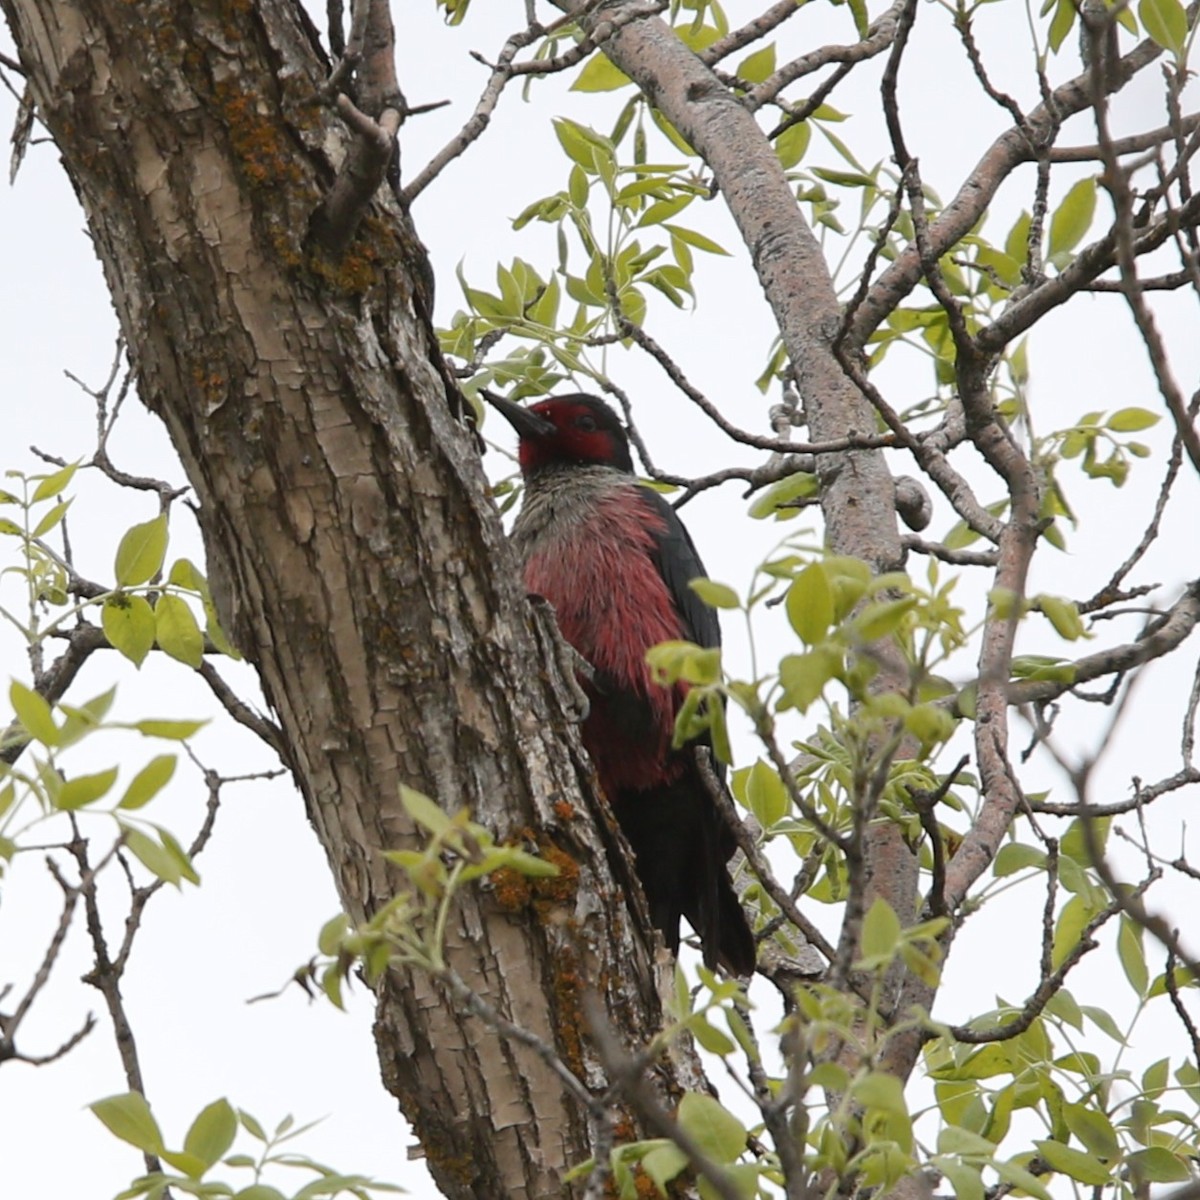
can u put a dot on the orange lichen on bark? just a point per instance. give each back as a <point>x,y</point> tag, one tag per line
<point>266,156</point>
<point>511,889</point>
<point>560,888</point>
<point>569,988</point>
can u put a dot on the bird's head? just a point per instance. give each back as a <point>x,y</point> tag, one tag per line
<point>564,431</point>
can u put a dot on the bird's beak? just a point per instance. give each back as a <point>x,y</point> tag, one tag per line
<point>527,424</point>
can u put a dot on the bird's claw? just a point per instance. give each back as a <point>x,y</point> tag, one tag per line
<point>570,663</point>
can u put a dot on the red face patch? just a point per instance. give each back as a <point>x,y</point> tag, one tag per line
<point>578,438</point>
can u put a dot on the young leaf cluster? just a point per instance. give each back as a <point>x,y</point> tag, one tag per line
<point>206,1147</point>
<point>410,930</point>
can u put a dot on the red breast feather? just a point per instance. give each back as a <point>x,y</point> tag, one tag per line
<point>612,605</point>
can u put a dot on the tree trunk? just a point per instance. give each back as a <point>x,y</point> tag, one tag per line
<point>353,548</point>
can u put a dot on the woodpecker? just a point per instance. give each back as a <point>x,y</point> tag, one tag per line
<point>614,560</point>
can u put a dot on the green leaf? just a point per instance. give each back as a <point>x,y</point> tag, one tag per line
<point>1131,420</point>
<point>953,1139</point>
<point>673,661</point>
<point>83,719</point>
<point>212,1132</point>
<point>51,485</point>
<point>85,789</point>
<point>250,1124</point>
<point>141,552</point>
<point>259,1191</point>
<point>697,36</point>
<point>129,1118</point>
<point>696,239</point>
<point>34,714</point>
<point>1073,217</point>
<point>1018,1176</point>
<point>1071,921</point>
<point>128,623</point>
<point>544,310</point>
<point>829,1076</point>
<point>1182,977</point>
<point>1074,843</point>
<point>849,578</point>
<point>928,724</point>
<point>1093,1129</point>
<point>883,618</point>
<point>781,496</point>
<point>330,937</point>
<point>600,74</point>
<point>152,856</point>
<point>148,782</point>
<point>663,1163</point>
<point>523,862</point>
<point>716,1130</point>
<point>1165,21</point>
<point>710,1037</point>
<point>185,574</point>
<point>179,854</point>
<point>424,811</point>
<point>1156,1164</point>
<point>810,604</point>
<point>177,731</point>
<point>792,144</point>
<point>803,676</point>
<point>51,518</point>
<point>758,66</point>
<point>880,931</point>
<point>582,144</point>
<point>1074,1163</point>
<point>214,631</point>
<point>1065,1007</point>
<point>1014,857</point>
<point>1103,1021</point>
<point>742,1178</point>
<point>1156,1077</point>
<point>766,796</point>
<point>878,1089</point>
<point>663,210</point>
<point>176,631</point>
<point>1063,615</point>
<point>1043,666</point>
<point>844,178</point>
<point>714,594</point>
<point>965,1180</point>
<point>186,1163</point>
<point>1061,23</point>
<point>1133,956</point>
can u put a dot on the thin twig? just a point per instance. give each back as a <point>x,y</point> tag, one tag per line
<point>627,1075</point>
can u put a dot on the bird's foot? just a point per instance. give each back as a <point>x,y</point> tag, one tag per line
<point>569,662</point>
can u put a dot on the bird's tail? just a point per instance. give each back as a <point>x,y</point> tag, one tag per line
<point>716,912</point>
<point>681,850</point>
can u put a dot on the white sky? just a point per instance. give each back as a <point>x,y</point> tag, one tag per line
<point>266,890</point>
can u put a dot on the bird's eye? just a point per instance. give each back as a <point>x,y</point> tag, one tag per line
<point>586,423</point>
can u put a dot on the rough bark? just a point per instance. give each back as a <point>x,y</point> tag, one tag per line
<point>361,566</point>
